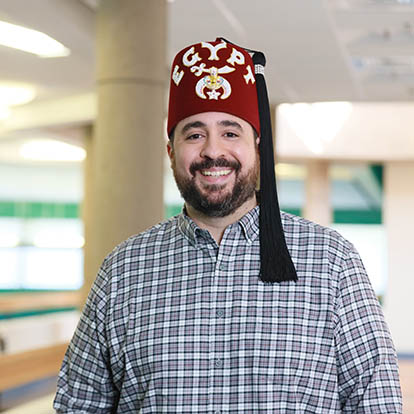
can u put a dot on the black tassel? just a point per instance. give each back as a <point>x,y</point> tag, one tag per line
<point>275,262</point>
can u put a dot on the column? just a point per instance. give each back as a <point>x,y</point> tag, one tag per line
<point>399,222</point>
<point>317,193</point>
<point>89,265</point>
<point>128,147</point>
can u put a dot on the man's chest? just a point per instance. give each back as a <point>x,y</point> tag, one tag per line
<point>229,329</point>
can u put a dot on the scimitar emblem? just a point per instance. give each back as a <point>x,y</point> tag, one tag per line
<point>214,82</point>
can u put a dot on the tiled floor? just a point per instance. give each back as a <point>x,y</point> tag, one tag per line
<point>44,405</point>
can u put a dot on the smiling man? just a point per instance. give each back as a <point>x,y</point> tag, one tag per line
<point>232,306</point>
<point>214,157</point>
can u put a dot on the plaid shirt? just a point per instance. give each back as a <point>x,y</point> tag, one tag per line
<point>175,323</point>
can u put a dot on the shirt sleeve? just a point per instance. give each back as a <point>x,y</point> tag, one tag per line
<point>367,364</point>
<point>85,384</point>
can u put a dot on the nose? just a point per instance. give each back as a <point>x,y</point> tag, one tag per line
<point>212,148</point>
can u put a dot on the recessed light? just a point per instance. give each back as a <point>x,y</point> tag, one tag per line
<point>316,124</point>
<point>4,113</point>
<point>51,150</point>
<point>15,94</point>
<point>31,41</point>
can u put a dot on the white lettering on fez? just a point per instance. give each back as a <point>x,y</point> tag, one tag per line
<point>236,58</point>
<point>199,70</point>
<point>213,49</point>
<point>194,58</point>
<point>177,76</point>
<point>249,75</point>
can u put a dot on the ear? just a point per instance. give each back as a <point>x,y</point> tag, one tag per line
<point>170,150</point>
<point>257,147</point>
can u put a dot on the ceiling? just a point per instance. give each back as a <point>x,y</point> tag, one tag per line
<point>352,50</point>
<point>317,50</point>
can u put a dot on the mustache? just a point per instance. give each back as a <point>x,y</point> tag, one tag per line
<point>210,163</point>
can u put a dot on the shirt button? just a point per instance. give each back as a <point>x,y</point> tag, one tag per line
<point>218,363</point>
<point>222,267</point>
<point>220,313</point>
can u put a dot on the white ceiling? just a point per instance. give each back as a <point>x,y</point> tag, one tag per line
<point>317,50</point>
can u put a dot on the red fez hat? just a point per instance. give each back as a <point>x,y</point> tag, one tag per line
<point>222,77</point>
<point>213,77</point>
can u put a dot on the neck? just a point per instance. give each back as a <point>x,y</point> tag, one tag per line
<point>217,225</point>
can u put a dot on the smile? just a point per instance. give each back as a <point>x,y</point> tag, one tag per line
<point>215,173</point>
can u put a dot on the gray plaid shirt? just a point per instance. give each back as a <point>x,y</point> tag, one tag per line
<point>175,323</point>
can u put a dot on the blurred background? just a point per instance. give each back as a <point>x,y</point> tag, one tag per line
<point>83,98</point>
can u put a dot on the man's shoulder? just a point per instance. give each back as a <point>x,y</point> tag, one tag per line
<point>299,230</point>
<point>159,235</point>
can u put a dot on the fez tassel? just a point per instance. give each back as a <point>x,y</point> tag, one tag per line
<point>275,262</point>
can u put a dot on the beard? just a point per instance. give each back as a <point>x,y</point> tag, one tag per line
<point>215,201</point>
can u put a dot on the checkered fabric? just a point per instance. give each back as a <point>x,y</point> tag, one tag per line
<point>177,324</point>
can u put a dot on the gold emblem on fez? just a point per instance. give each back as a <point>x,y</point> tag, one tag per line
<point>214,82</point>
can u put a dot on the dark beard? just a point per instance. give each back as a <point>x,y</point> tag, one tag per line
<point>222,204</point>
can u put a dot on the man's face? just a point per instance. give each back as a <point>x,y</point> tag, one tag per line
<point>215,161</point>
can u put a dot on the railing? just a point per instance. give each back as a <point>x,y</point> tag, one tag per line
<point>32,349</point>
<point>11,303</point>
<point>24,367</point>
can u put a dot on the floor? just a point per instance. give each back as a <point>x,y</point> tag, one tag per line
<point>407,385</point>
<point>38,406</point>
<point>44,405</point>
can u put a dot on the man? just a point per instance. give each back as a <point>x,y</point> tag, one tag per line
<point>210,312</point>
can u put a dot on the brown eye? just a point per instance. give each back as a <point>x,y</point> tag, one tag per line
<point>194,137</point>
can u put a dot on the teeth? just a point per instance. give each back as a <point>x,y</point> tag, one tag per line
<point>216,173</point>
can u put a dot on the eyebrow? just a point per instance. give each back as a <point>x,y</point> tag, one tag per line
<point>228,123</point>
<point>199,124</point>
<point>195,124</point>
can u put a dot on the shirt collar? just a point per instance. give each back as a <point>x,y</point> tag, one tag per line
<point>249,224</point>
<point>187,227</point>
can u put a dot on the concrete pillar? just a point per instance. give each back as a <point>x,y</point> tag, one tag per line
<point>317,193</point>
<point>89,265</point>
<point>128,146</point>
<point>399,222</point>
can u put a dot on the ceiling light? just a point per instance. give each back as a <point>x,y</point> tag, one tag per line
<point>390,65</point>
<point>51,150</point>
<point>393,2</point>
<point>318,123</point>
<point>11,95</point>
<point>4,112</point>
<point>30,41</point>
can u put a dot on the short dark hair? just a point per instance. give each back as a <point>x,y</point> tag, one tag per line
<point>171,135</point>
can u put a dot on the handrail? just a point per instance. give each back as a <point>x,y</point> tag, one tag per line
<point>19,302</point>
<point>24,367</point>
